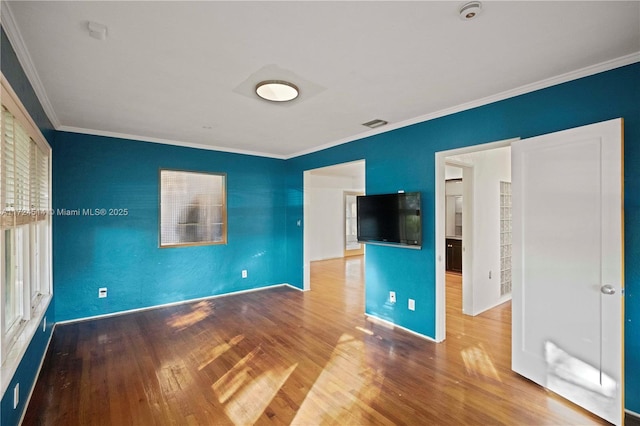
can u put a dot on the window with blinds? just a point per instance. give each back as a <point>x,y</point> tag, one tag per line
<point>25,223</point>
<point>193,208</point>
<point>24,169</point>
<point>16,146</point>
<point>39,182</point>
<point>7,167</point>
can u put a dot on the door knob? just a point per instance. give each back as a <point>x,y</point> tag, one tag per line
<point>607,289</point>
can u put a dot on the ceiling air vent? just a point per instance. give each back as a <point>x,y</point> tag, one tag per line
<point>375,123</point>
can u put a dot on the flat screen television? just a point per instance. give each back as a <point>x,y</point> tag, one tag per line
<point>390,219</point>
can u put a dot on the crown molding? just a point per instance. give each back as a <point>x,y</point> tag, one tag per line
<point>527,88</point>
<point>13,33</point>
<point>138,138</point>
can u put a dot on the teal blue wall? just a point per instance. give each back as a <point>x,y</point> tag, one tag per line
<point>25,374</point>
<point>404,159</point>
<point>122,253</point>
<point>265,202</point>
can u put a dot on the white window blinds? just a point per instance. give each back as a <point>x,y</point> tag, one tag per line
<point>24,173</point>
<point>7,173</point>
<point>39,182</point>
<point>21,164</point>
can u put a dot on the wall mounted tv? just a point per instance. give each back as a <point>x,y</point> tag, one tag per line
<point>392,219</point>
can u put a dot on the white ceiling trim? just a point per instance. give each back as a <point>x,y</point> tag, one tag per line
<point>9,24</point>
<point>532,87</point>
<point>11,29</point>
<point>166,142</point>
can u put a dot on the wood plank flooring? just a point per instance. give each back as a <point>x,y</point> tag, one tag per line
<point>281,356</point>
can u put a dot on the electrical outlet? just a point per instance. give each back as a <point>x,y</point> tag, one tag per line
<point>244,273</point>
<point>392,296</point>
<point>102,292</point>
<point>16,396</point>
<point>412,305</point>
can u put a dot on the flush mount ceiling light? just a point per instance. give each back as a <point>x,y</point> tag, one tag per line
<point>277,90</point>
<point>375,123</point>
<point>469,11</point>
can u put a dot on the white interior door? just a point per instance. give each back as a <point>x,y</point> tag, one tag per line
<point>568,265</point>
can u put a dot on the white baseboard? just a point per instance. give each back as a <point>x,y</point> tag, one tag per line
<point>293,287</point>
<point>35,381</point>
<point>392,326</point>
<point>632,414</point>
<point>320,259</point>
<point>500,301</point>
<point>181,302</point>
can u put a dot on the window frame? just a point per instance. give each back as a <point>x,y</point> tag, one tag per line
<point>224,219</point>
<point>33,221</point>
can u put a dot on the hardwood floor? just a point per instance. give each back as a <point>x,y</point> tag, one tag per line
<point>282,356</point>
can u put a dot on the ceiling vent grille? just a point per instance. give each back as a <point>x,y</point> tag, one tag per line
<point>375,123</point>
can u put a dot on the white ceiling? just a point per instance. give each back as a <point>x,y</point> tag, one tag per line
<point>353,169</point>
<point>184,72</point>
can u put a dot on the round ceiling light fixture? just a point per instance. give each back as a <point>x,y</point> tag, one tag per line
<point>469,11</point>
<point>277,90</point>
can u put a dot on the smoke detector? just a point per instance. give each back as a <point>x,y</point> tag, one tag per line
<point>97,31</point>
<point>469,11</point>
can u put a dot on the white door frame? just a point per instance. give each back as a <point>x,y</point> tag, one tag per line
<point>306,214</point>
<point>467,233</point>
<point>440,213</point>
<point>358,251</point>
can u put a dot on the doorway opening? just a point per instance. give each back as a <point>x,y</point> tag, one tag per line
<point>481,169</point>
<point>328,223</point>
<point>352,247</point>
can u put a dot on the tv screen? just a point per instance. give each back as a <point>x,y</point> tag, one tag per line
<point>390,219</point>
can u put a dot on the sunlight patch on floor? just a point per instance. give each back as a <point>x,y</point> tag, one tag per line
<point>217,351</point>
<point>344,389</point>
<point>250,402</point>
<point>364,330</point>
<point>199,311</point>
<point>478,362</point>
<point>235,378</point>
<point>248,388</point>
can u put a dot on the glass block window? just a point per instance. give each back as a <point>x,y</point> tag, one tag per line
<point>505,238</point>
<point>193,208</point>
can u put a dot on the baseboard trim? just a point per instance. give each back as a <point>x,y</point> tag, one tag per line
<point>33,385</point>
<point>633,414</point>
<point>293,287</point>
<point>181,302</point>
<point>503,299</point>
<point>322,259</point>
<point>392,326</point>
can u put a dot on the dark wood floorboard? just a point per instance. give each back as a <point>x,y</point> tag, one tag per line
<point>280,357</point>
